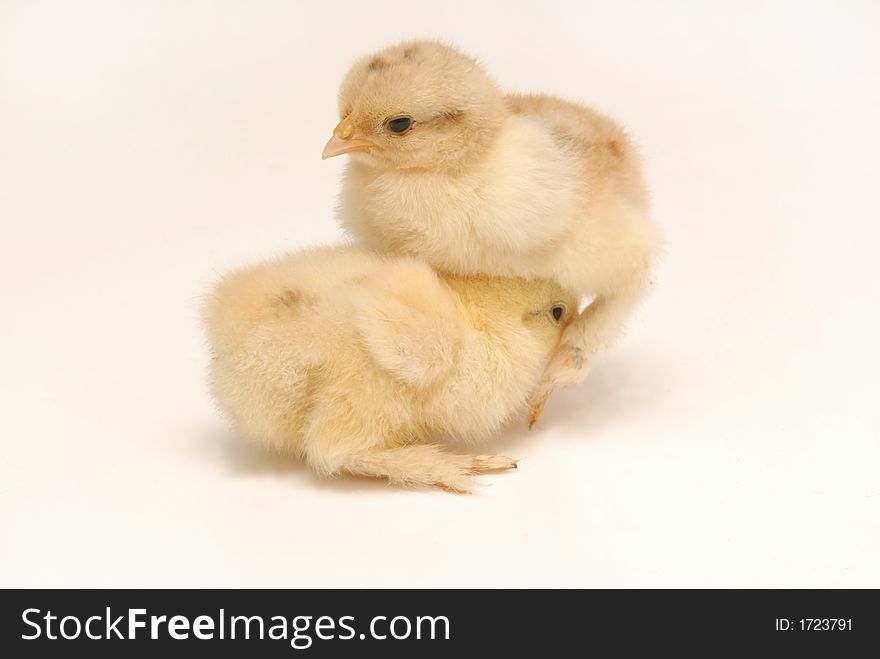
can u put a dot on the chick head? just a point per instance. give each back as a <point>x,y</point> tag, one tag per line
<point>546,310</point>
<point>540,306</point>
<point>419,104</point>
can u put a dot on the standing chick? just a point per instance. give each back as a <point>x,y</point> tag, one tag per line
<point>349,360</point>
<point>448,169</point>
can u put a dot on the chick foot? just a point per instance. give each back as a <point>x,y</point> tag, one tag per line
<point>536,407</point>
<point>418,465</point>
<point>481,464</point>
<point>461,480</point>
<point>568,365</point>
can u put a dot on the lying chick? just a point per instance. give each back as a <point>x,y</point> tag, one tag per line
<point>349,360</point>
<point>448,169</point>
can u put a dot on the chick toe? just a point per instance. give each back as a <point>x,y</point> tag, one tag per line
<point>458,484</point>
<point>537,408</point>
<point>481,464</point>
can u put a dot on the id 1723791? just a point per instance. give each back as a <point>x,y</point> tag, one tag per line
<point>814,624</point>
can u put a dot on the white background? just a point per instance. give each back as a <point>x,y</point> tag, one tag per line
<point>733,438</point>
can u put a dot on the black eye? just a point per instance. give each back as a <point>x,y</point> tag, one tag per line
<point>399,124</point>
<point>557,312</point>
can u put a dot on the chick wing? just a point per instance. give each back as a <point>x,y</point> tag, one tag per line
<point>411,326</point>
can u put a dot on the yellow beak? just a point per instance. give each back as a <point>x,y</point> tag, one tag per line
<point>343,141</point>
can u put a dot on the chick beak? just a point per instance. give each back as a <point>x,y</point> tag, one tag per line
<point>343,141</point>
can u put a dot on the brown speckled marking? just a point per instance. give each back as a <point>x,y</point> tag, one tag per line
<point>377,63</point>
<point>578,357</point>
<point>289,298</point>
<point>409,51</point>
<point>452,115</point>
<point>614,148</point>
<point>293,301</point>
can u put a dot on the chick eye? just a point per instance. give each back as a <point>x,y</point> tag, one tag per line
<point>399,124</point>
<point>557,312</point>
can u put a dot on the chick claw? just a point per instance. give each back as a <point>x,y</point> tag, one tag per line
<point>567,366</point>
<point>482,464</point>
<point>537,408</point>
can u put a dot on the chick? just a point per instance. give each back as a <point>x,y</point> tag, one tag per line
<point>448,169</point>
<point>352,360</point>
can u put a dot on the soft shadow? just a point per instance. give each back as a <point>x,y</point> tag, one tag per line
<point>620,388</point>
<point>239,457</point>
